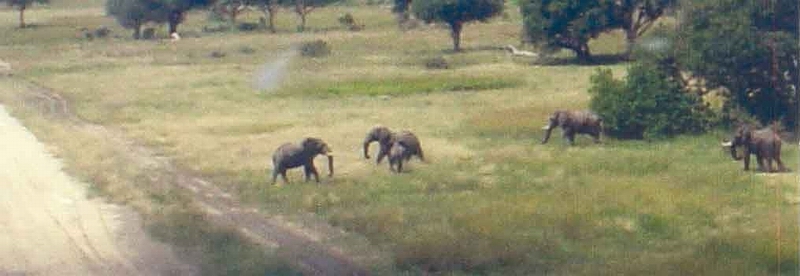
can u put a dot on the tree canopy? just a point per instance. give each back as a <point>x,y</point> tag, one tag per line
<point>132,14</point>
<point>455,13</point>
<point>570,24</point>
<point>748,47</point>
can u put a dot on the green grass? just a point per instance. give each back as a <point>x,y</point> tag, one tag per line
<point>406,86</point>
<point>491,200</point>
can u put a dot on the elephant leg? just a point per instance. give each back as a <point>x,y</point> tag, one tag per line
<point>274,175</point>
<point>746,161</point>
<point>769,164</point>
<point>420,155</point>
<point>760,160</point>
<point>381,154</point>
<point>569,134</point>
<point>400,166</point>
<point>314,172</point>
<point>283,175</point>
<point>781,168</point>
<point>595,137</point>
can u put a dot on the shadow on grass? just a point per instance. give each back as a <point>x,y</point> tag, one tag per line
<point>604,59</point>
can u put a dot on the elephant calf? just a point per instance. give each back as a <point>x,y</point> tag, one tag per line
<point>289,156</point>
<point>574,122</point>
<point>386,138</point>
<point>397,153</point>
<point>764,143</point>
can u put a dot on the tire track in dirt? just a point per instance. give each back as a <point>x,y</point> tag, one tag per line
<point>308,247</point>
<point>50,227</point>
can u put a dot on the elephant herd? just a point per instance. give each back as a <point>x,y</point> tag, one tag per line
<point>396,146</point>
<point>400,146</point>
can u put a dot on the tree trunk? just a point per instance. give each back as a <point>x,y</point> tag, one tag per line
<point>455,33</point>
<point>582,51</point>
<point>22,8</point>
<point>300,9</point>
<point>630,38</point>
<point>273,11</point>
<point>137,31</point>
<point>174,20</point>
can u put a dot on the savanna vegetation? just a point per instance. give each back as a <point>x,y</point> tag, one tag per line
<point>490,199</point>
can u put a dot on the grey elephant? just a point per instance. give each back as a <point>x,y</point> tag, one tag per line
<point>290,155</point>
<point>764,143</point>
<point>574,122</point>
<point>397,154</point>
<point>385,138</point>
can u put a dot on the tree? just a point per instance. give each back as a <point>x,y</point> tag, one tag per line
<point>637,16</point>
<point>132,14</point>
<point>231,8</point>
<point>22,5</point>
<point>570,24</point>
<point>566,23</point>
<point>270,10</point>
<point>303,7</point>
<point>401,8</point>
<point>750,48</point>
<point>176,10</point>
<point>456,13</point>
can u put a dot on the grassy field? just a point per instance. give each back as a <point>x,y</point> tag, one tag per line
<point>491,200</point>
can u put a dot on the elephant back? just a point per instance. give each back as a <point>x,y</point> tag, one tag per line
<point>407,139</point>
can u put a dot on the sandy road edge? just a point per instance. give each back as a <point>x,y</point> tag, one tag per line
<point>308,245</point>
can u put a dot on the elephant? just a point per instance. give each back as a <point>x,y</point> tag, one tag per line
<point>397,153</point>
<point>386,138</point>
<point>764,143</point>
<point>572,122</point>
<point>383,136</point>
<point>290,155</point>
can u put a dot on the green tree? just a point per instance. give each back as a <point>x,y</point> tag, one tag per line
<point>303,7</point>
<point>748,47</point>
<point>637,16</point>
<point>176,10</point>
<point>401,8</point>
<point>132,14</point>
<point>570,24</point>
<point>566,24</point>
<point>22,5</point>
<point>456,13</point>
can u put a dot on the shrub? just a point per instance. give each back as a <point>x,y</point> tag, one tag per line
<point>647,104</point>
<point>247,27</point>
<point>436,63</point>
<point>316,48</point>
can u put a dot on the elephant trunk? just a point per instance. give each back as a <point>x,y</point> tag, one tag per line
<point>367,141</point>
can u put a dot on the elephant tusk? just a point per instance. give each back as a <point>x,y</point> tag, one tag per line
<point>546,127</point>
<point>727,144</point>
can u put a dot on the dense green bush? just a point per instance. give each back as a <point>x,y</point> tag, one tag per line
<point>647,104</point>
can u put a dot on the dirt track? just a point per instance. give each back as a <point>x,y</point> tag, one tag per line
<point>49,227</point>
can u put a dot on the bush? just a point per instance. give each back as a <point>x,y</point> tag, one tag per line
<point>436,63</point>
<point>647,104</point>
<point>248,27</point>
<point>317,48</point>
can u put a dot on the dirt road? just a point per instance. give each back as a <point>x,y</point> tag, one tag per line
<point>49,227</point>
